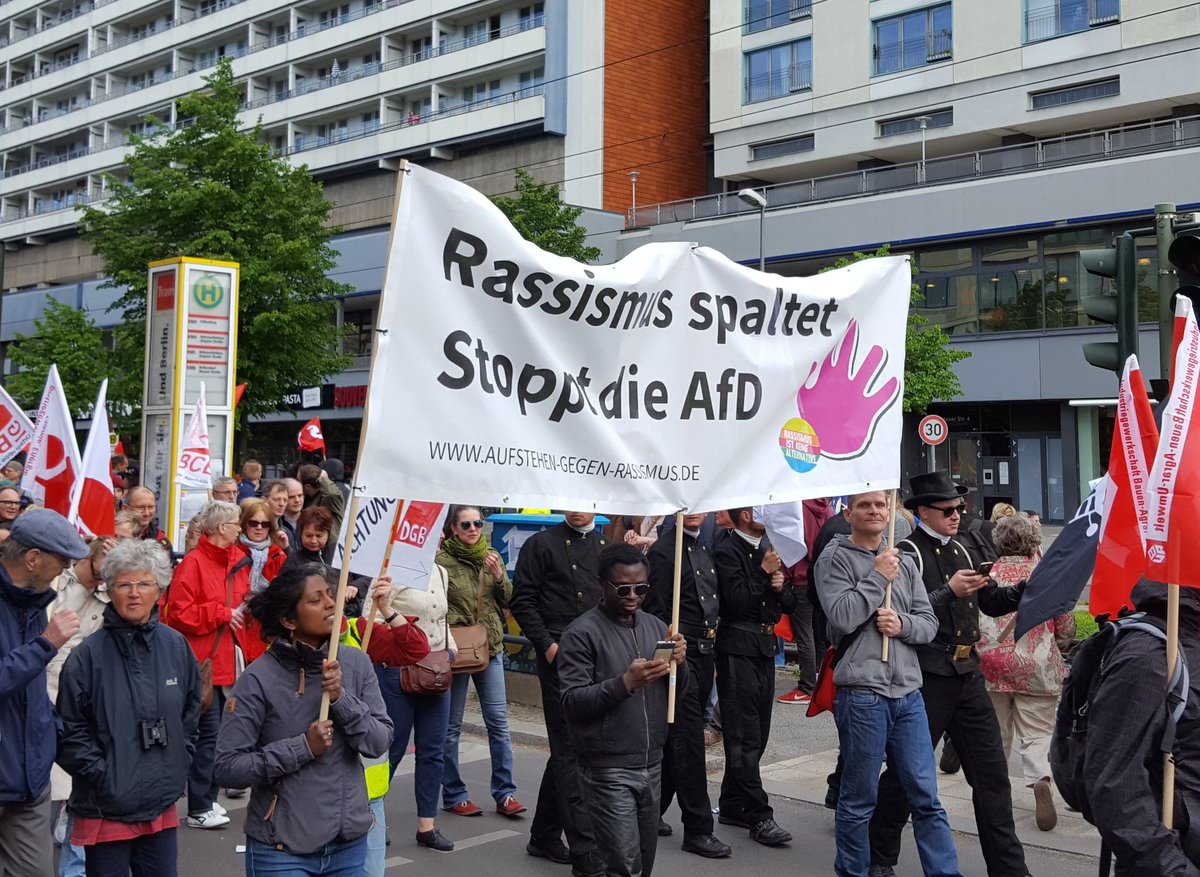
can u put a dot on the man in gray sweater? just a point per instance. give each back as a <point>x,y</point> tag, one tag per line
<point>879,710</point>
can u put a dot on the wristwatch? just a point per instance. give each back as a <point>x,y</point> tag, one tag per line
<point>391,618</point>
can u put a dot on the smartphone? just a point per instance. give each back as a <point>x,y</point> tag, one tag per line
<point>663,650</point>
<point>985,568</point>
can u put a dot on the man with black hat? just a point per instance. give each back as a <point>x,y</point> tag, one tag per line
<point>953,688</point>
<point>39,546</point>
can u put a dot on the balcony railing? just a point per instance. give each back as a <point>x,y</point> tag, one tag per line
<point>1069,16</point>
<point>53,160</point>
<point>1047,154</point>
<point>908,54</point>
<point>781,83</point>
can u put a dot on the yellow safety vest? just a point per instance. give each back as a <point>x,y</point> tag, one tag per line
<point>377,771</point>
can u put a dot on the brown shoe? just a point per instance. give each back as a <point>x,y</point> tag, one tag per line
<point>465,808</point>
<point>711,737</point>
<point>1044,813</point>
<point>510,806</point>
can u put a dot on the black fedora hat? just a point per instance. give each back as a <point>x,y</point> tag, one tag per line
<point>932,487</point>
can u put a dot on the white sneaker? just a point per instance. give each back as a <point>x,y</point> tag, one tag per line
<point>211,819</point>
<point>219,810</point>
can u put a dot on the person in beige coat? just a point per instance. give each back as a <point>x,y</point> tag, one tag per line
<point>424,717</point>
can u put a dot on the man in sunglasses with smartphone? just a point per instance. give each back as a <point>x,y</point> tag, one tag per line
<point>613,664</point>
<point>953,688</point>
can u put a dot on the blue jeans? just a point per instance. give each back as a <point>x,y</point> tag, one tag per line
<point>70,858</point>
<point>376,841</point>
<point>493,702</point>
<point>424,718</point>
<point>870,728</point>
<point>333,860</point>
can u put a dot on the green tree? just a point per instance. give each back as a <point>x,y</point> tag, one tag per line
<point>66,337</point>
<point>537,211</point>
<point>928,357</point>
<point>211,190</point>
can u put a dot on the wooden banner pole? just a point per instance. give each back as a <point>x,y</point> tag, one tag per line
<point>891,543</point>
<point>383,568</point>
<point>675,612</point>
<point>347,549</point>
<point>1168,809</point>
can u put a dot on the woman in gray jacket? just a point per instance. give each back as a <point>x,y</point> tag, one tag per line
<point>308,811</point>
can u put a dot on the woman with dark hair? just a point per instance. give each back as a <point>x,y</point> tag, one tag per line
<point>129,698</point>
<point>479,587</point>
<point>308,811</point>
<point>314,529</point>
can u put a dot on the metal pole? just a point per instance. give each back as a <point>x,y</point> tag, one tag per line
<point>633,175</point>
<point>762,254</point>
<point>3,350</point>
<point>924,122</point>
<point>1164,228</point>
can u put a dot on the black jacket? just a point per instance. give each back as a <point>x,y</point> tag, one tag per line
<point>958,617</point>
<point>1123,766</point>
<point>699,605</point>
<point>555,582</point>
<point>116,681</point>
<point>611,727</point>
<point>747,599</point>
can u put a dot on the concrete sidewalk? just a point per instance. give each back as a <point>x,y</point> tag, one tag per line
<point>803,751</point>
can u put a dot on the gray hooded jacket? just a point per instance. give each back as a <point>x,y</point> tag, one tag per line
<point>851,591</point>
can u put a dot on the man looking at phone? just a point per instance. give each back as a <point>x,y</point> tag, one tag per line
<point>953,688</point>
<point>613,663</point>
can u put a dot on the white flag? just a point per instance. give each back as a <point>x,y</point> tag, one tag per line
<point>194,468</point>
<point>53,463</point>
<point>92,509</point>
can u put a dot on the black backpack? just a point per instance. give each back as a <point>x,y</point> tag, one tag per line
<point>1068,746</point>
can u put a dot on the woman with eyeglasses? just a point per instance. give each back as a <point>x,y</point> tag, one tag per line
<point>203,602</point>
<point>129,698</point>
<point>479,588</point>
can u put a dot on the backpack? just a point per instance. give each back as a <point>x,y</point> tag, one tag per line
<point>1068,745</point>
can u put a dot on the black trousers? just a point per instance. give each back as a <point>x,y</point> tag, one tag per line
<point>560,806</point>
<point>684,772</point>
<point>960,705</point>
<point>623,803</point>
<point>819,624</point>
<point>802,635</point>
<point>746,689</point>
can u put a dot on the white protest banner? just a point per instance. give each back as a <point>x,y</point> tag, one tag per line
<point>194,466</point>
<point>371,533</point>
<point>53,462</point>
<point>416,544</point>
<point>672,379</point>
<point>15,428</point>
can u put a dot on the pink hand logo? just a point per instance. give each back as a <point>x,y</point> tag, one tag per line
<point>841,403</point>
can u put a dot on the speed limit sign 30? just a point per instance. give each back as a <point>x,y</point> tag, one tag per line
<point>932,429</point>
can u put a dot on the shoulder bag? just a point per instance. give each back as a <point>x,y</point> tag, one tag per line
<point>470,640</point>
<point>431,675</point>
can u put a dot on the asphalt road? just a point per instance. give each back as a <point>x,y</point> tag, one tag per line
<point>495,845</point>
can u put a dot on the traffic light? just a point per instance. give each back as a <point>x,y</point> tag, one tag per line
<point>1184,255</point>
<point>1119,310</point>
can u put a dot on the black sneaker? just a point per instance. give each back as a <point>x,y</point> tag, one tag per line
<point>769,834</point>
<point>588,865</point>
<point>664,830</point>
<point>435,840</point>
<point>882,871</point>
<point>831,797</point>
<point>555,851</point>
<point>732,820</point>
<point>706,845</point>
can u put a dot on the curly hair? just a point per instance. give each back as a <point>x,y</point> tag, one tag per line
<point>1017,536</point>
<point>619,554</point>
<point>277,602</point>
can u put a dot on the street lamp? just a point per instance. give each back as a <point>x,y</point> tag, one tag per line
<point>923,121</point>
<point>756,199</point>
<point>633,175</point>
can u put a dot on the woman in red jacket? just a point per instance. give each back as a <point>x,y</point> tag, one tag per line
<point>203,600</point>
<point>258,542</point>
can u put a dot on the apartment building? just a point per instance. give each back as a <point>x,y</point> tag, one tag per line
<point>991,141</point>
<point>609,99</point>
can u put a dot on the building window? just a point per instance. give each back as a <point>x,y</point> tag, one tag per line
<point>1073,94</point>
<point>764,14</point>
<point>1045,19</point>
<point>933,119</point>
<point>531,82</point>
<point>359,327</point>
<point>533,16</point>
<point>778,71</point>
<point>913,40</point>
<point>780,148</point>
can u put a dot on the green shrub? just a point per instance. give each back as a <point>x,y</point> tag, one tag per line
<point>1085,625</point>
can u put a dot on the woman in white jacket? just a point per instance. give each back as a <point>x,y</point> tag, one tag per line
<point>424,717</point>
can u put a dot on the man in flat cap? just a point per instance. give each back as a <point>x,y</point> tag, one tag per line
<point>953,689</point>
<point>39,546</point>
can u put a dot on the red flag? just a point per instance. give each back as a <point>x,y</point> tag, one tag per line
<point>311,438</point>
<point>1121,555</point>
<point>53,462</point>
<point>237,394</point>
<point>1173,491</point>
<point>119,448</point>
<point>92,499</point>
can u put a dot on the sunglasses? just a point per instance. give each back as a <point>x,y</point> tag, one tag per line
<point>468,525</point>
<point>951,511</point>
<point>640,589</point>
<point>259,524</point>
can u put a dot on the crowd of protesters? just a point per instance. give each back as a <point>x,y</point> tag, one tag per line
<point>202,675</point>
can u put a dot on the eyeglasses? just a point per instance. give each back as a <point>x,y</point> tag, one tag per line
<point>951,511</point>
<point>10,503</point>
<point>467,525</point>
<point>259,525</point>
<point>640,589</point>
<point>130,587</point>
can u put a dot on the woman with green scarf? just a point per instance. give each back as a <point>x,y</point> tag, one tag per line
<point>479,587</point>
